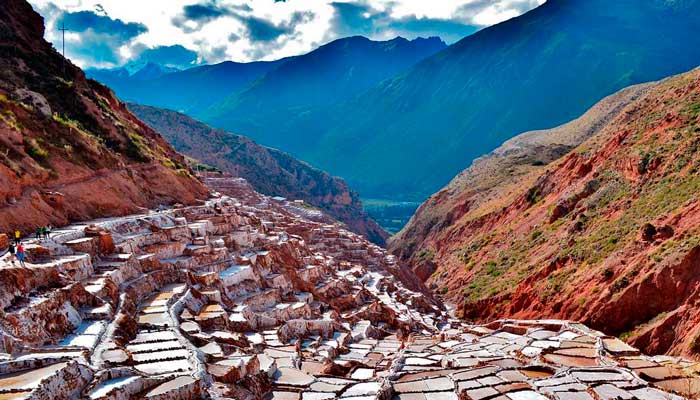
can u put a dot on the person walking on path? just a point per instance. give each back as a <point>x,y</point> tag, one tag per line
<point>39,233</point>
<point>47,232</point>
<point>21,255</point>
<point>17,237</point>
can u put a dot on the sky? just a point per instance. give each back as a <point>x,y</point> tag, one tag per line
<point>185,33</point>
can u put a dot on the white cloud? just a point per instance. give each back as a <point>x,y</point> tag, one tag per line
<point>247,30</point>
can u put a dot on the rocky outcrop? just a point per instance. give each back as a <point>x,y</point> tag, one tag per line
<point>270,171</point>
<point>606,234</point>
<point>69,149</point>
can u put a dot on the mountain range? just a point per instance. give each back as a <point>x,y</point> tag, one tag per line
<point>135,71</point>
<point>268,109</point>
<point>409,135</point>
<point>419,123</point>
<point>231,91</point>
<point>190,90</point>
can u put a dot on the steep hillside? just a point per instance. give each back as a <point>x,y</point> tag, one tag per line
<point>332,73</point>
<point>190,90</point>
<point>408,136</point>
<point>268,170</point>
<point>68,148</point>
<point>497,177</point>
<point>607,234</point>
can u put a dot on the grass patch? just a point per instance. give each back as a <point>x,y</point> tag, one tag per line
<point>66,121</point>
<point>137,150</point>
<point>624,336</point>
<point>426,255</point>
<point>35,151</point>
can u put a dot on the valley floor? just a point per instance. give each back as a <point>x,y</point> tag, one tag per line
<point>391,215</point>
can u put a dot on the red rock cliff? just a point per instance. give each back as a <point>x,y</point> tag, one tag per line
<point>69,149</point>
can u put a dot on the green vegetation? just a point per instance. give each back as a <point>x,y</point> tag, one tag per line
<point>694,346</point>
<point>137,149</point>
<point>35,151</point>
<point>492,269</point>
<point>555,283</point>
<point>66,121</point>
<point>390,215</point>
<point>535,235</point>
<point>692,109</point>
<point>200,166</point>
<point>9,118</point>
<point>183,173</point>
<point>624,336</point>
<point>608,273</point>
<point>465,254</point>
<point>470,265</point>
<point>644,161</point>
<point>620,284</point>
<point>534,195</point>
<point>426,255</point>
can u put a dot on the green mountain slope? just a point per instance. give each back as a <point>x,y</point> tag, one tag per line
<point>408,136</point>
<point>336,71</point>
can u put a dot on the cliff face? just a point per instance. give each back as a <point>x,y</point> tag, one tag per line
<point>269,171</point>
<point>606,234</point>
<point>68,148</point>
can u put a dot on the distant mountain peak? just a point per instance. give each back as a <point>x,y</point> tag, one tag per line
<point>152,70</point>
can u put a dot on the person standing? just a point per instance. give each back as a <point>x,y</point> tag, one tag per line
<point>21,255</point>
<point>17,236</point>
<point>11,250</point>
<point>47,232</point>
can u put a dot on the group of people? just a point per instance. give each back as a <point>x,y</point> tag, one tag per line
<point>16,250</point>
<point>43,232</point>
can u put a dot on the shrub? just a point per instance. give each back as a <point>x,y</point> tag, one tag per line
<point>620,284</point>
<point>492,269</point>
<point>426,255</point>
<point>137,149</point>
<point>35,151</point>
<point>534,195</point>
<point>65,121</point>
<point>694,346</point>
<point>608,273</point>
